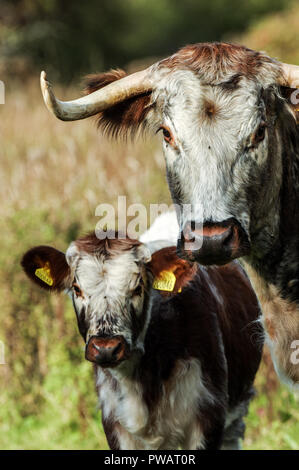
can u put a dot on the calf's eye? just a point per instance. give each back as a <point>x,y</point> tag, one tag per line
<point>77,290</point>
<point>168,137</point>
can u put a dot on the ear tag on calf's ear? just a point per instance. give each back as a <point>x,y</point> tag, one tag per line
<point>165,281</point>
<point>44,274</point>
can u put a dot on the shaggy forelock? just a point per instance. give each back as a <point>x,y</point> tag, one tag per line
<point>218,63</point>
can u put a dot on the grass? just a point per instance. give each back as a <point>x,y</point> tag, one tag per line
<point>52,177</point>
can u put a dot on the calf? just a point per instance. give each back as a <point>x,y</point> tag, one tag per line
<point>172,342</point>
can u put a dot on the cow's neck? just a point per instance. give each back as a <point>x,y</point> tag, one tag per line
<point>275,246</point>
<point>275,273</point>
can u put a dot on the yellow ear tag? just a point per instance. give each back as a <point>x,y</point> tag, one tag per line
<point>44,274</point>
<point>165,281</point>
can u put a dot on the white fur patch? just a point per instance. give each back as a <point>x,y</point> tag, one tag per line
<point>172,424</point>
<point>163,232</point>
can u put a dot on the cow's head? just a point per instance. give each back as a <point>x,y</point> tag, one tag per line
<point>226,118</point>
<point>109,286</point>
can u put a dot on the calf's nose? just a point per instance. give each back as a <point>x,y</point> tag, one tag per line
<point>105,351</point>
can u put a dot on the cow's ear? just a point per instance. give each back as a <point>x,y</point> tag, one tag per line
<point>292,97</point>
<point>47,267</point>
<point>122,119</point>
<point>171,273</point>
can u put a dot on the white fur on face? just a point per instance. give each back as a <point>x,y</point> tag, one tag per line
<point>107,285</point>
<point>207,168</point>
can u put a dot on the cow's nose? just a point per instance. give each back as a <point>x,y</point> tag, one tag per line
<point>214,243</point>
<point>107,351</point>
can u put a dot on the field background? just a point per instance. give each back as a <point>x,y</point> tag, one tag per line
<point>52,177</point>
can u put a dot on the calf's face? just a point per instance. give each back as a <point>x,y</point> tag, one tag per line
<point>109,286</point>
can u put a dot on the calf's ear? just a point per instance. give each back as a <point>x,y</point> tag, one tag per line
<point>47,267</point>
<point>167,260</point>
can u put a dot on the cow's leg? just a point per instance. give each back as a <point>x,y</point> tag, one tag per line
<point>111,434</point>
<point>233,435</point>
<point>214,438</point>
<point>234,444</point>
<point>212,421</point>
<point>235,427</point>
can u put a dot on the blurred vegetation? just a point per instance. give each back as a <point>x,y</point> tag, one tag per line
<point>54,174</point>
<point>278,34</point>
<point>71,38</point>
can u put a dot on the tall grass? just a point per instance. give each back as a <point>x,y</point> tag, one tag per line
<point>52,177</point>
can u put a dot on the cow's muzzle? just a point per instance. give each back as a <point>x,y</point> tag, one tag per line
<point>107,351</point>
<point>213,243</point>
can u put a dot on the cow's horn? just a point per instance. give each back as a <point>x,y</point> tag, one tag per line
<point>290,75</point>
<point>99,100</point>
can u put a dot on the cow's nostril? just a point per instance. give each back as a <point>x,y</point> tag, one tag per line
<point>220,242</point>
<point>228,237</point>
<point>106,351</point>
<point>116,350</point>
<point>96,347</point>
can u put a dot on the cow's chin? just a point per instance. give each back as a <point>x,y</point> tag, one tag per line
<point>217,258</point>
<point>112,365</point>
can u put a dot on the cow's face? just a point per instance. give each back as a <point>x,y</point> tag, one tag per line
<point>110,298</point>
<point>109,287</point>
<point>223,157</point>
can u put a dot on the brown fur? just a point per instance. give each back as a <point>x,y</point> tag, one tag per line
<point>215,60</point>
<point>38,257</point>
<point>211,321</point>
<point>108,246</point>
<point>167,260</point>
<point>122,119</point>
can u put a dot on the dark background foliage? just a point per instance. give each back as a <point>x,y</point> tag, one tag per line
<point>75,37</point>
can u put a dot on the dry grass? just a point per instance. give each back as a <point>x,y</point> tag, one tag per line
<point>55,164</point>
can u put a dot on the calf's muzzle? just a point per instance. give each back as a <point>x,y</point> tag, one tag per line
<point>214,242</point>
<point>106,351</point>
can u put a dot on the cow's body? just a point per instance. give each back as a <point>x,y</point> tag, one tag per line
<point>192,386</point>
<point>173,368</point>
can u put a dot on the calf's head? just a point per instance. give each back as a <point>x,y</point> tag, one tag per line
<point>227,123</point>
<point>109,286</point>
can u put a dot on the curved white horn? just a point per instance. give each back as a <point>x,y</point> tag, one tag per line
<point>99,100</point>
<point>290,75</point>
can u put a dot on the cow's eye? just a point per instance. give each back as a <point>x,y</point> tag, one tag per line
<point>168,137</point>
<point>260,133</point>
<point>77,290</point>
